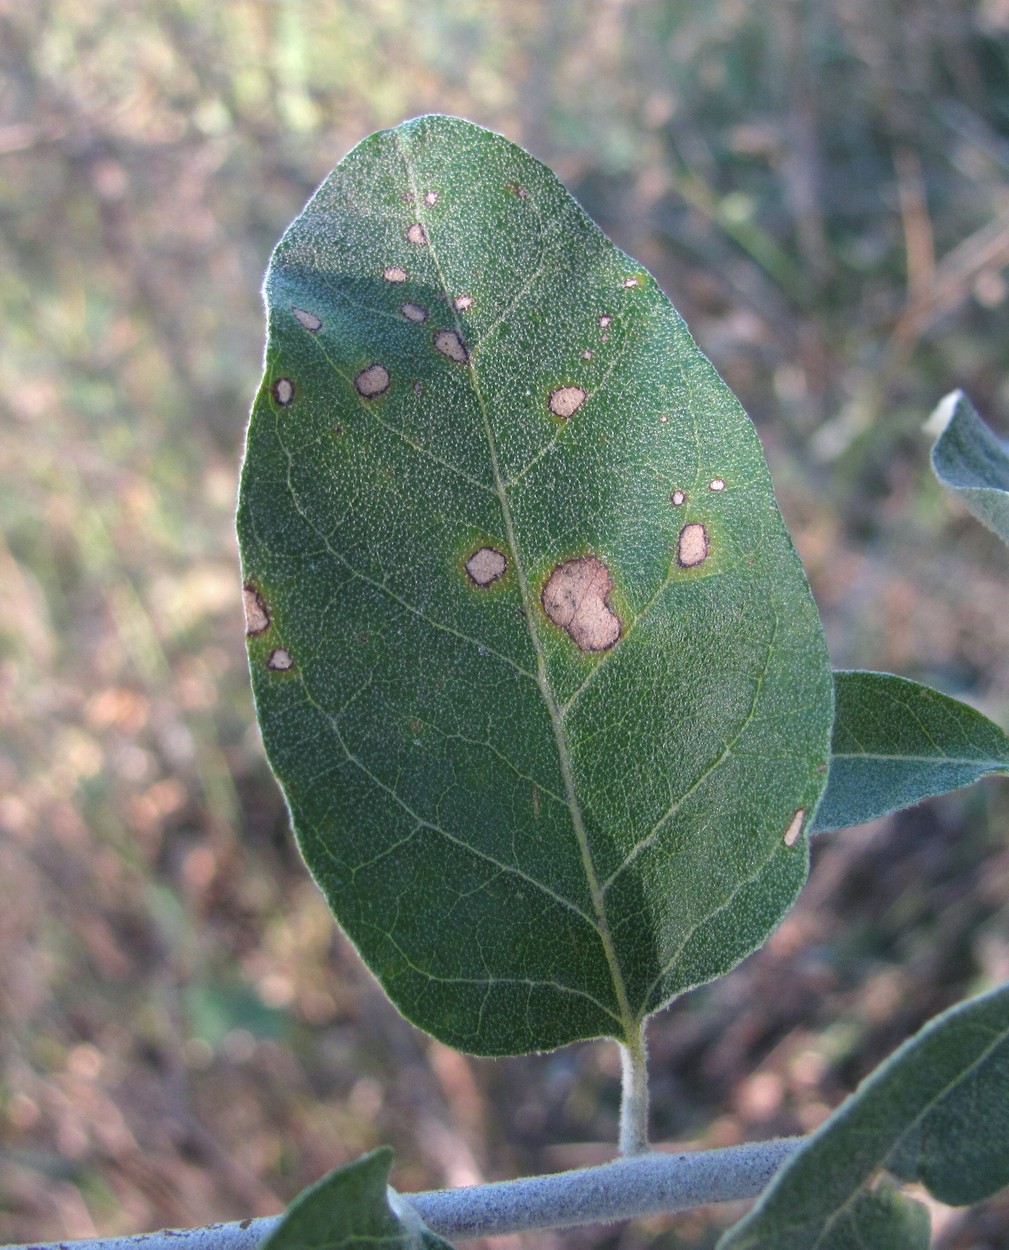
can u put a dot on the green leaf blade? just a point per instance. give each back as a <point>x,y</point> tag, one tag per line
<point>971,461</point>
<point>349,1209</point>
<point>542,734</point>
<point>896,742</point>
<point>934,1112</point>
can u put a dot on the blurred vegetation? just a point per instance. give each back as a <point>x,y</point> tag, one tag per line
<point>821,186</point>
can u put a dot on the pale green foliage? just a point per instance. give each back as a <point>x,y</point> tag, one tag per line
<point>349,1209</point>
<point>896,742</point>
<point>972,461</point>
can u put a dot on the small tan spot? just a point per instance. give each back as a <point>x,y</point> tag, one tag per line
<point>629,282</point>
<point>486,566</point>
<point>416,233</point>
<point>587,355</point>
<point>794,827</point>
<point>414,312</point>
<point>393,273</point>
<point>257,619</point>
<point>432,197</point>
<point>576,598</point>
<point>451,345</point>
<point>283,391</point>
<point>536,801</point>
<point>418,387</point>
<point>516,188</point>
<point>604,322</point>
<point>692,547</point>
<point>663,420</point>
<point>462,302</point>
<point>308,319</point>
<point>566,400</point>
<point>280,660</point>
<point>372,381</point>
<point>678,498</point>
<point>716,484</point>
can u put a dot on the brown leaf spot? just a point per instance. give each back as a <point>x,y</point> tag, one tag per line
<point>516,188</point>
<point>451,345</point>
<point>462,302</point>
<point>414,312</point>
<point>678,498</point>
<point>393,273</point>
<point>486,566</point>
<point>716,484</point>
<point>692,547</point>
<point>587,355</point>
<point>794,827</point>
<point>604,322</point>
<point>566,400</point>
<point>372,381</point>
<point>432,197</point>
<point>283,391</point>
<point>280,660</point>
<point>416,233</point>
<point>576,598</point>
<point>257,618</point>
<point>629,282</point>
<point>308,319</point>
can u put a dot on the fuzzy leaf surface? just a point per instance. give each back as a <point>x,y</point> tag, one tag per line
<point>972,461</point>
<point>936,1111</point>
<point>896,742</point>
<point>534,658</point>
<point>350,1210</point>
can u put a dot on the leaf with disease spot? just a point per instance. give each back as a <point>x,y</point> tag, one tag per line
<point>935,1112</point>
<point>353,1209</point>
<point>533,655</point>
<point>896,742</point>
<point>971,461</point>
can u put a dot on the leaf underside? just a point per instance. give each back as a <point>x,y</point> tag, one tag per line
<point>934,1112</point>
<point>972,462</point>
<point>533,656</point>
<point>896,742</point>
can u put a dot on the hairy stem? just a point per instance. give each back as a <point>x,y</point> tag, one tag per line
<point>643,1184</point>
<point>634,1094</point>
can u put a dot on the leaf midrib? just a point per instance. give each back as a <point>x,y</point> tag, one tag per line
<point>629,1019</point>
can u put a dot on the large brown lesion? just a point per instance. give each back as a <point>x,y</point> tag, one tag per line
<point>576,598</point>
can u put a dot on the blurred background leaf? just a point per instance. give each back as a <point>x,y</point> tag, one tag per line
<point>821,189</point>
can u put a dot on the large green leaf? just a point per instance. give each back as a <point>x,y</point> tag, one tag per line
<point>937,1111</point>
<point>972,461</point>
<point>896,742</point>
<point>350,1210</point>
<point>533,656</point>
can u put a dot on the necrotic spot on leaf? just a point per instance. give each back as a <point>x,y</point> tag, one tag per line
<point>716,484</point>
<point>576,598</point>
<point>794,827</point>
<point>308,319</point>
<point>628,282</point>
<point>372,381</point>
<point>257,619</point>
<point>566,400</point>
<point>432,197</point>
<point>280,660</point>
<point>692,547</point>
<point>393,273</point>
<point>283,391</point>
<point>414,312</point>
<point>486,566</point>
<point>604,322</point>
<point>416,233</point>
<point>462,302</point>
<point>451,345</point>
<point>677,498</point>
